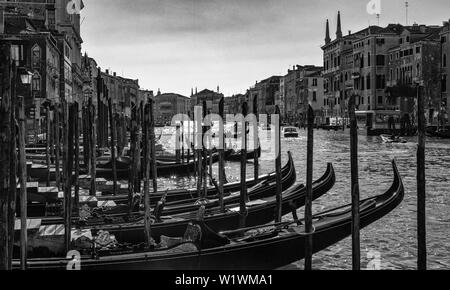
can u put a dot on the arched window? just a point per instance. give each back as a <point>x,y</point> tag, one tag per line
<point>36,56</point>
<point>444,60</point>
<point>36,82</point>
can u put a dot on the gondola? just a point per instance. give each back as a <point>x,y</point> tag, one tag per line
<point>259,212</point>
<point>261,190</point>
<point>235,156</point>
<point>439,133</point>
<point>171,195</point>
<point>104,170</point>
<point>260,248</point>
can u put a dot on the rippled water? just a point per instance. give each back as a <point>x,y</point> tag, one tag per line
<point>394,237</point>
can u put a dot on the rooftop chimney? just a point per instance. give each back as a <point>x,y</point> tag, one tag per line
<point>107,71</point>
<point>349,32</point>
<point>339,28</point>
<point>115,74</point>
<point>327,33</point>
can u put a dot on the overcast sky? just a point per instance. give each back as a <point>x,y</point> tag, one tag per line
<point>175,45</point>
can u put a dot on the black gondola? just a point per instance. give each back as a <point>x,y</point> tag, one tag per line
<point>171,195</point>
<point>260,211</point>
<point>261,190</point>
<point>235,156</point>
<point>260,248</point>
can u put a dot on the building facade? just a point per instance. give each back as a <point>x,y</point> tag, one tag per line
<point>212,100</point>
<point>374,62</point>
<point>233,104</point>
<point>445,67</point>
<point>265,92</point>
<point>169,105</point>
<point>37,51</point>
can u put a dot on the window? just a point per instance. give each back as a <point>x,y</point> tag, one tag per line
<point>36,82</point>
<point>314,83</point>
<point>380,60</point>
<point>407,39</point>
<point>380,100</point>
<point>36,56</point>
<point>368,59</point>
<point>418,49</point>
<point>444,83</point>
<point>314,96</point>
<point>381,82</point>
<point>368,82</point>
<point>17,52</point>
<point>444,60</point>
<point>443,39</point>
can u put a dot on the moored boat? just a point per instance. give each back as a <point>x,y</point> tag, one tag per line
<point>202,248</point>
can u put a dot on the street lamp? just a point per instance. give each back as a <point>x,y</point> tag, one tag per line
<point>26,76</point>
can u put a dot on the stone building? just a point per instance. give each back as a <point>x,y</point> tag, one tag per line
<point>417,59</point>
<point>121,90</point>
<point>445,72</point>
<point>36,50</point>
<point>233,104</point>
<point>212,100</point>
<point>169,105</point>
<point>265,92</point>
<point>370,62</point>
<point>302,85</point>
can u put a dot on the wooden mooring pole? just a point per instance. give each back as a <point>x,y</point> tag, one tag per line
<point>69,120</point>
<point>256,139</point>
<point>279,189</point>
<point>134,161</point>
<point>244,198</point>
<point>92,146</point>
<point>356,246</point>
<point>12,196</point>
<point>112,117</point>
<point>205,154</point>
<point>23,185</point>
<point>198,147</point>
<point>147,166</point>
<point>48,144</point>
<point>221,149</point>
<point>309,191</point>
<point>57,145</point>
<point>421,185</point>
<point>76,125</point>
<point>7,122</point>
<point>154,169</point>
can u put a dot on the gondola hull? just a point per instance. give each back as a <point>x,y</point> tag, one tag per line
<point>175,225</point>
<point>264,252</point>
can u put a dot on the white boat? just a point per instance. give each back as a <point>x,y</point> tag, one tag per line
<point>389,139</point>
<point>290,132</point>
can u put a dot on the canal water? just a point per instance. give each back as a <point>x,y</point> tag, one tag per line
<point>392,238</point>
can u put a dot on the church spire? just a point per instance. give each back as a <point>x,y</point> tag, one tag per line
<point>327,33</point>
<point>339,28</point>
